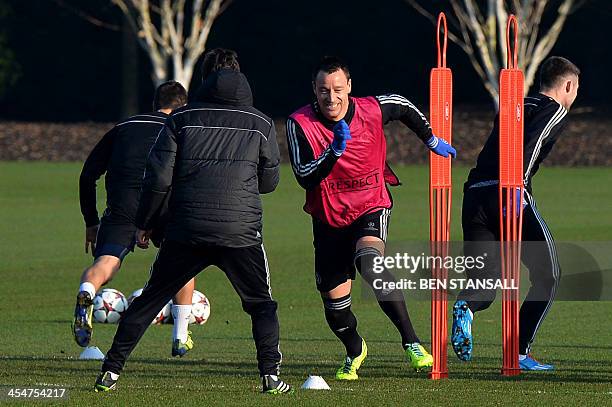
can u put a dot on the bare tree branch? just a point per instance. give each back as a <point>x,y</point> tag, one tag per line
<point>175,39</point>
<point>160,27</point>
<point>88,17</point>
<point>491,24</point>
<point>502,18</point>
<point>547,42</point>
<point>481,34</point>
<point>489,60</point>
<point>196,22</point>
<point>534,30</point>
<point>179,9</point>
<point>212,11</point>
<point>469,50</point>
<point>225,5</point>
<point>434,20</point>
<point>131,20</point>
<point>148,26</point>
<point>578,5</point>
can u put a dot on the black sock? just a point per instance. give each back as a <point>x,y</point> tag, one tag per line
<point>343,323</point>
<point>391,302</point>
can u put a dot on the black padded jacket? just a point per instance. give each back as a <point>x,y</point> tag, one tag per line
<point>217,155</point>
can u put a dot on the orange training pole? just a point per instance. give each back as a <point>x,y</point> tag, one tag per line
<point>511,84</point>
<point>441,111</point>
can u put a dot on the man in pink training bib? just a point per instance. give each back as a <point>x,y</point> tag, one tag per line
<point>338,154</point>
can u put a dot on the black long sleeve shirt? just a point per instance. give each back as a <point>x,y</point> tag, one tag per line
<point>310,170</point>
<point>217,154</point>
<point>544,122</point>
<point>122,155</point>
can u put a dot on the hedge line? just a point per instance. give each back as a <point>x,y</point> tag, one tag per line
<point>587,140</point>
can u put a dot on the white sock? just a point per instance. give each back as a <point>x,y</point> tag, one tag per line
<point>522,357</point>
<point>180,313</point>
<point>88,288</point>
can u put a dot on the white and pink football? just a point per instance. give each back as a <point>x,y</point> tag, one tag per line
<point>200,309</point>
<point>109,305</point>
<point>164,315</point>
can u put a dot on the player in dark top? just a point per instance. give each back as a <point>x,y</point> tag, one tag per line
<point>545,117</point>
<point>122,155</point>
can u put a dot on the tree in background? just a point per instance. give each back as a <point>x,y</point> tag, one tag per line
<point>9,68</point>
<point>168,37</point>
<point>479,28</point>
<point>173,33</point>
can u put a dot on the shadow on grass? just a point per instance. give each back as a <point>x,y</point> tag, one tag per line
<point>175,369</point>
<point>559,376</point>
<point>334,340</point>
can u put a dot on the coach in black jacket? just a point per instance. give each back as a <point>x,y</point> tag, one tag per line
<point>217,154</point>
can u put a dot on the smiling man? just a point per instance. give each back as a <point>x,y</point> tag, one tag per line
<point>338,154</point>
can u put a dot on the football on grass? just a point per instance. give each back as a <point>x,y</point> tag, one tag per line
<point>164,315</point>
<point>200,309</point>
<point>109,305</point>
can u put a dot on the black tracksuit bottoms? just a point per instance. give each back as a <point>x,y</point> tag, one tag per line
<point>176,264</point>
<point>480,221</point>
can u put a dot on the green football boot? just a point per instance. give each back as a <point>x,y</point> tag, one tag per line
<point>348,370</point>
<point>418,356</point>
<point>106,381</point>
<point>181,348</point>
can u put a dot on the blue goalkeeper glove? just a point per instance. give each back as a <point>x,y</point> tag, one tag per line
<point>341,135</point>
<point>518,201</point>
<point>441,147</point>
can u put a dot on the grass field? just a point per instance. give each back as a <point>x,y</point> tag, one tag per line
<point>42,256</point>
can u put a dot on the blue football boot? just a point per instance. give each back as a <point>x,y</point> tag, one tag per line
<point>461,336</point>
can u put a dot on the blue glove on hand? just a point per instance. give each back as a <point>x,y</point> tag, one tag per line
<point>441,147</point>
<point>341,135</point>
<point>518,201</point>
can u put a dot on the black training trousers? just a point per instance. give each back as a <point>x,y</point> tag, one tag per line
<point>480,221</point>
<point>176,264</point>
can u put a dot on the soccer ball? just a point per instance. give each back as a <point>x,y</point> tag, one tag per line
<point>164,316</point>
<point>108,306</point>
<point>200,309</point>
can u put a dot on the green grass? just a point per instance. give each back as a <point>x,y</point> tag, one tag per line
<point>42,256</point>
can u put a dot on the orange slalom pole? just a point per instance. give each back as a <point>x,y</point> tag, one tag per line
<point>440,189</point>
<point>511,127</point>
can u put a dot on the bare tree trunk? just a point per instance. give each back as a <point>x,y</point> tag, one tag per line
<point>184,75</point>
<point>179,76</point>
<point>161,28</point>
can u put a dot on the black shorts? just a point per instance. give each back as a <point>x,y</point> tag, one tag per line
<point>335,247</point>
<point>115,236</point>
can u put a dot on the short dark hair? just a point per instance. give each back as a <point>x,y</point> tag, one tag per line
<point>169,95</point>
<point>219,58</point>
<point>331,64</point>
<point>554,69</point>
